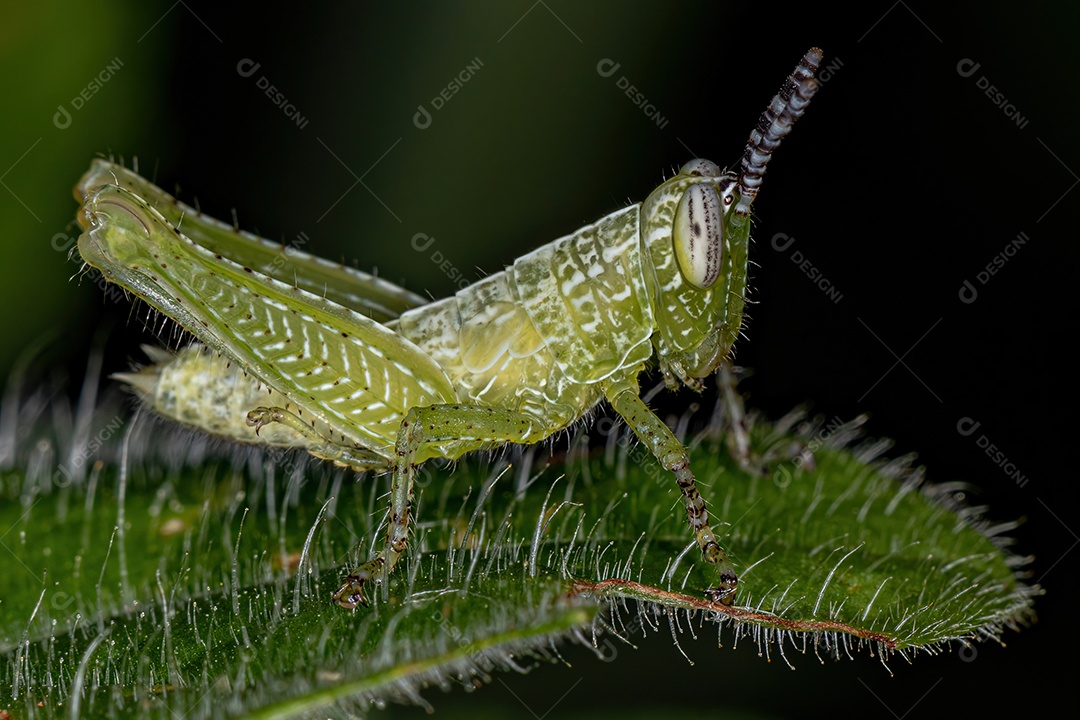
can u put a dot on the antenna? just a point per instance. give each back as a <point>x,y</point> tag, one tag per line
<point>786,107</point>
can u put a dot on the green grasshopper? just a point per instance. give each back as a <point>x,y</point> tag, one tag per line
<point>373,377</point>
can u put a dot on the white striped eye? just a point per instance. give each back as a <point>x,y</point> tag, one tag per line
<point>698,235</point>
<point>699,167</point>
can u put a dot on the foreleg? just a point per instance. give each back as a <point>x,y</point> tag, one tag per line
<point>667,449</point>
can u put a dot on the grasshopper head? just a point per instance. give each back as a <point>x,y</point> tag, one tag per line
<point>696,229</point>
<point>697,245</point>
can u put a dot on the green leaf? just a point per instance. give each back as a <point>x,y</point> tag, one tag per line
<point>154,573</point>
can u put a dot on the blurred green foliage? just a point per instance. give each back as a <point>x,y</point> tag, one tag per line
<point>56,114</point>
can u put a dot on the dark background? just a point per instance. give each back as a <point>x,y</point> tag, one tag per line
<point>903,180</point>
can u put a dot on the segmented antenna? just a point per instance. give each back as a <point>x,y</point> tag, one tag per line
<point>786,107</point>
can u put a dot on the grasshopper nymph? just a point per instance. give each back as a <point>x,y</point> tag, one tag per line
<point>372,377</point>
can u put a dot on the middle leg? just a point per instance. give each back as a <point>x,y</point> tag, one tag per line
<point>463,428</point>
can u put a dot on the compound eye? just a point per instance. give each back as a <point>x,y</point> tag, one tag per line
<point>699,167</point>
<point>698,235</point>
